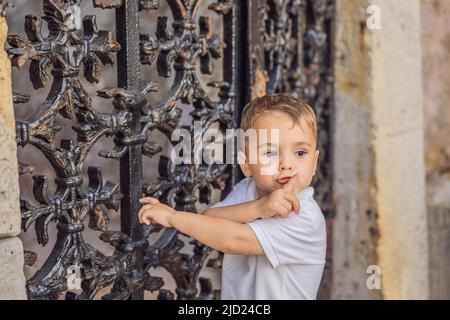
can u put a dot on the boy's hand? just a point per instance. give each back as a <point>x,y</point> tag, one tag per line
<point>280,202</point>
<point>154,211</point>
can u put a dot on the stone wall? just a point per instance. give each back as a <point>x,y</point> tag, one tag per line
<point>379,169</point>
<point>436,89</point>
<point>11,252</point>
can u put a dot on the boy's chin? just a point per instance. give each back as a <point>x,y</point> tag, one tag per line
<point>270,189</point>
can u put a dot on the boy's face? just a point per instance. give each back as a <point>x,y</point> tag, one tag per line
<point>290,154</point>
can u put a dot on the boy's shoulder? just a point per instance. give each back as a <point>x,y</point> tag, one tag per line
<point>310,208</point>
<point>243,183</point>
<point>243,191</point>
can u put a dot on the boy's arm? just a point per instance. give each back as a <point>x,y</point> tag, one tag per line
<point>220,234</point>
<point>242,213</point>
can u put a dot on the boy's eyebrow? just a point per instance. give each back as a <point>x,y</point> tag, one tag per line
<point>298,143</point>
<point>302,143</point>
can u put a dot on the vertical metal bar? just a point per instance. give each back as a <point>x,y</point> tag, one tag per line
<point>127,32</point>
<point>237,62</point>
<point>128,75</point>
<point>255,55</point>
<point>327,278</point>
<point>236,66</point>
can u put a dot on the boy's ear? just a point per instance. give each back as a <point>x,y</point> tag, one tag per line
<point>316,156</point>
<point>243,163</point>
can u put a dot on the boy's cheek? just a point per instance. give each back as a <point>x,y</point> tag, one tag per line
<point>265,182</point>
<point>265,167</point>
<point>268,171</point>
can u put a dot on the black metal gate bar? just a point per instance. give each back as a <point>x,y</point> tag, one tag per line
<point>236,70</point>
<point>128,76</point>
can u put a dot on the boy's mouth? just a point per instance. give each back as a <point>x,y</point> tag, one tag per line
<point>284,180</point>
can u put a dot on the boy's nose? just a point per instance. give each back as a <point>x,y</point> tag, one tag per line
<point>285,166</point>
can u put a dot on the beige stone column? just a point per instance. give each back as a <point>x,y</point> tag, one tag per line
<point>12,279</point>
<point>379,183</point>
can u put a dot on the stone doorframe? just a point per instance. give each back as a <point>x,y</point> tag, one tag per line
<point>379,182</point>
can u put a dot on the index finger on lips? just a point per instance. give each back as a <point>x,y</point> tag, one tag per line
<point>290,185</point>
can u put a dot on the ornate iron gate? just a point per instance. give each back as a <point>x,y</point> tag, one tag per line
<point>264,46</point>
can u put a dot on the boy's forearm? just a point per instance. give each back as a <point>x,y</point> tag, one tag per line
<point>216,233</point>
<point>242,213</point>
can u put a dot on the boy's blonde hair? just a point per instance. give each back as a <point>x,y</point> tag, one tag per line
<point>297,109</point>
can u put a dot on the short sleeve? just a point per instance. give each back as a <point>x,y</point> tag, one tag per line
<point>237,194</point>
<point>297,239</point>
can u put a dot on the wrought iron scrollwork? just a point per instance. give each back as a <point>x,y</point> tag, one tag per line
<point>74,45</point>
<point>68,46</point>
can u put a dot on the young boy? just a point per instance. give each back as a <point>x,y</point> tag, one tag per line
<point>273,250</point>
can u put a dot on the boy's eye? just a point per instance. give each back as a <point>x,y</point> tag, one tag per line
<point>300,153</point>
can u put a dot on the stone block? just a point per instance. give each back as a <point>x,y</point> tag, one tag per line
<point>12,279</point>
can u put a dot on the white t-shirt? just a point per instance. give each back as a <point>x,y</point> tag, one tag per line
<point>294,252</point>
